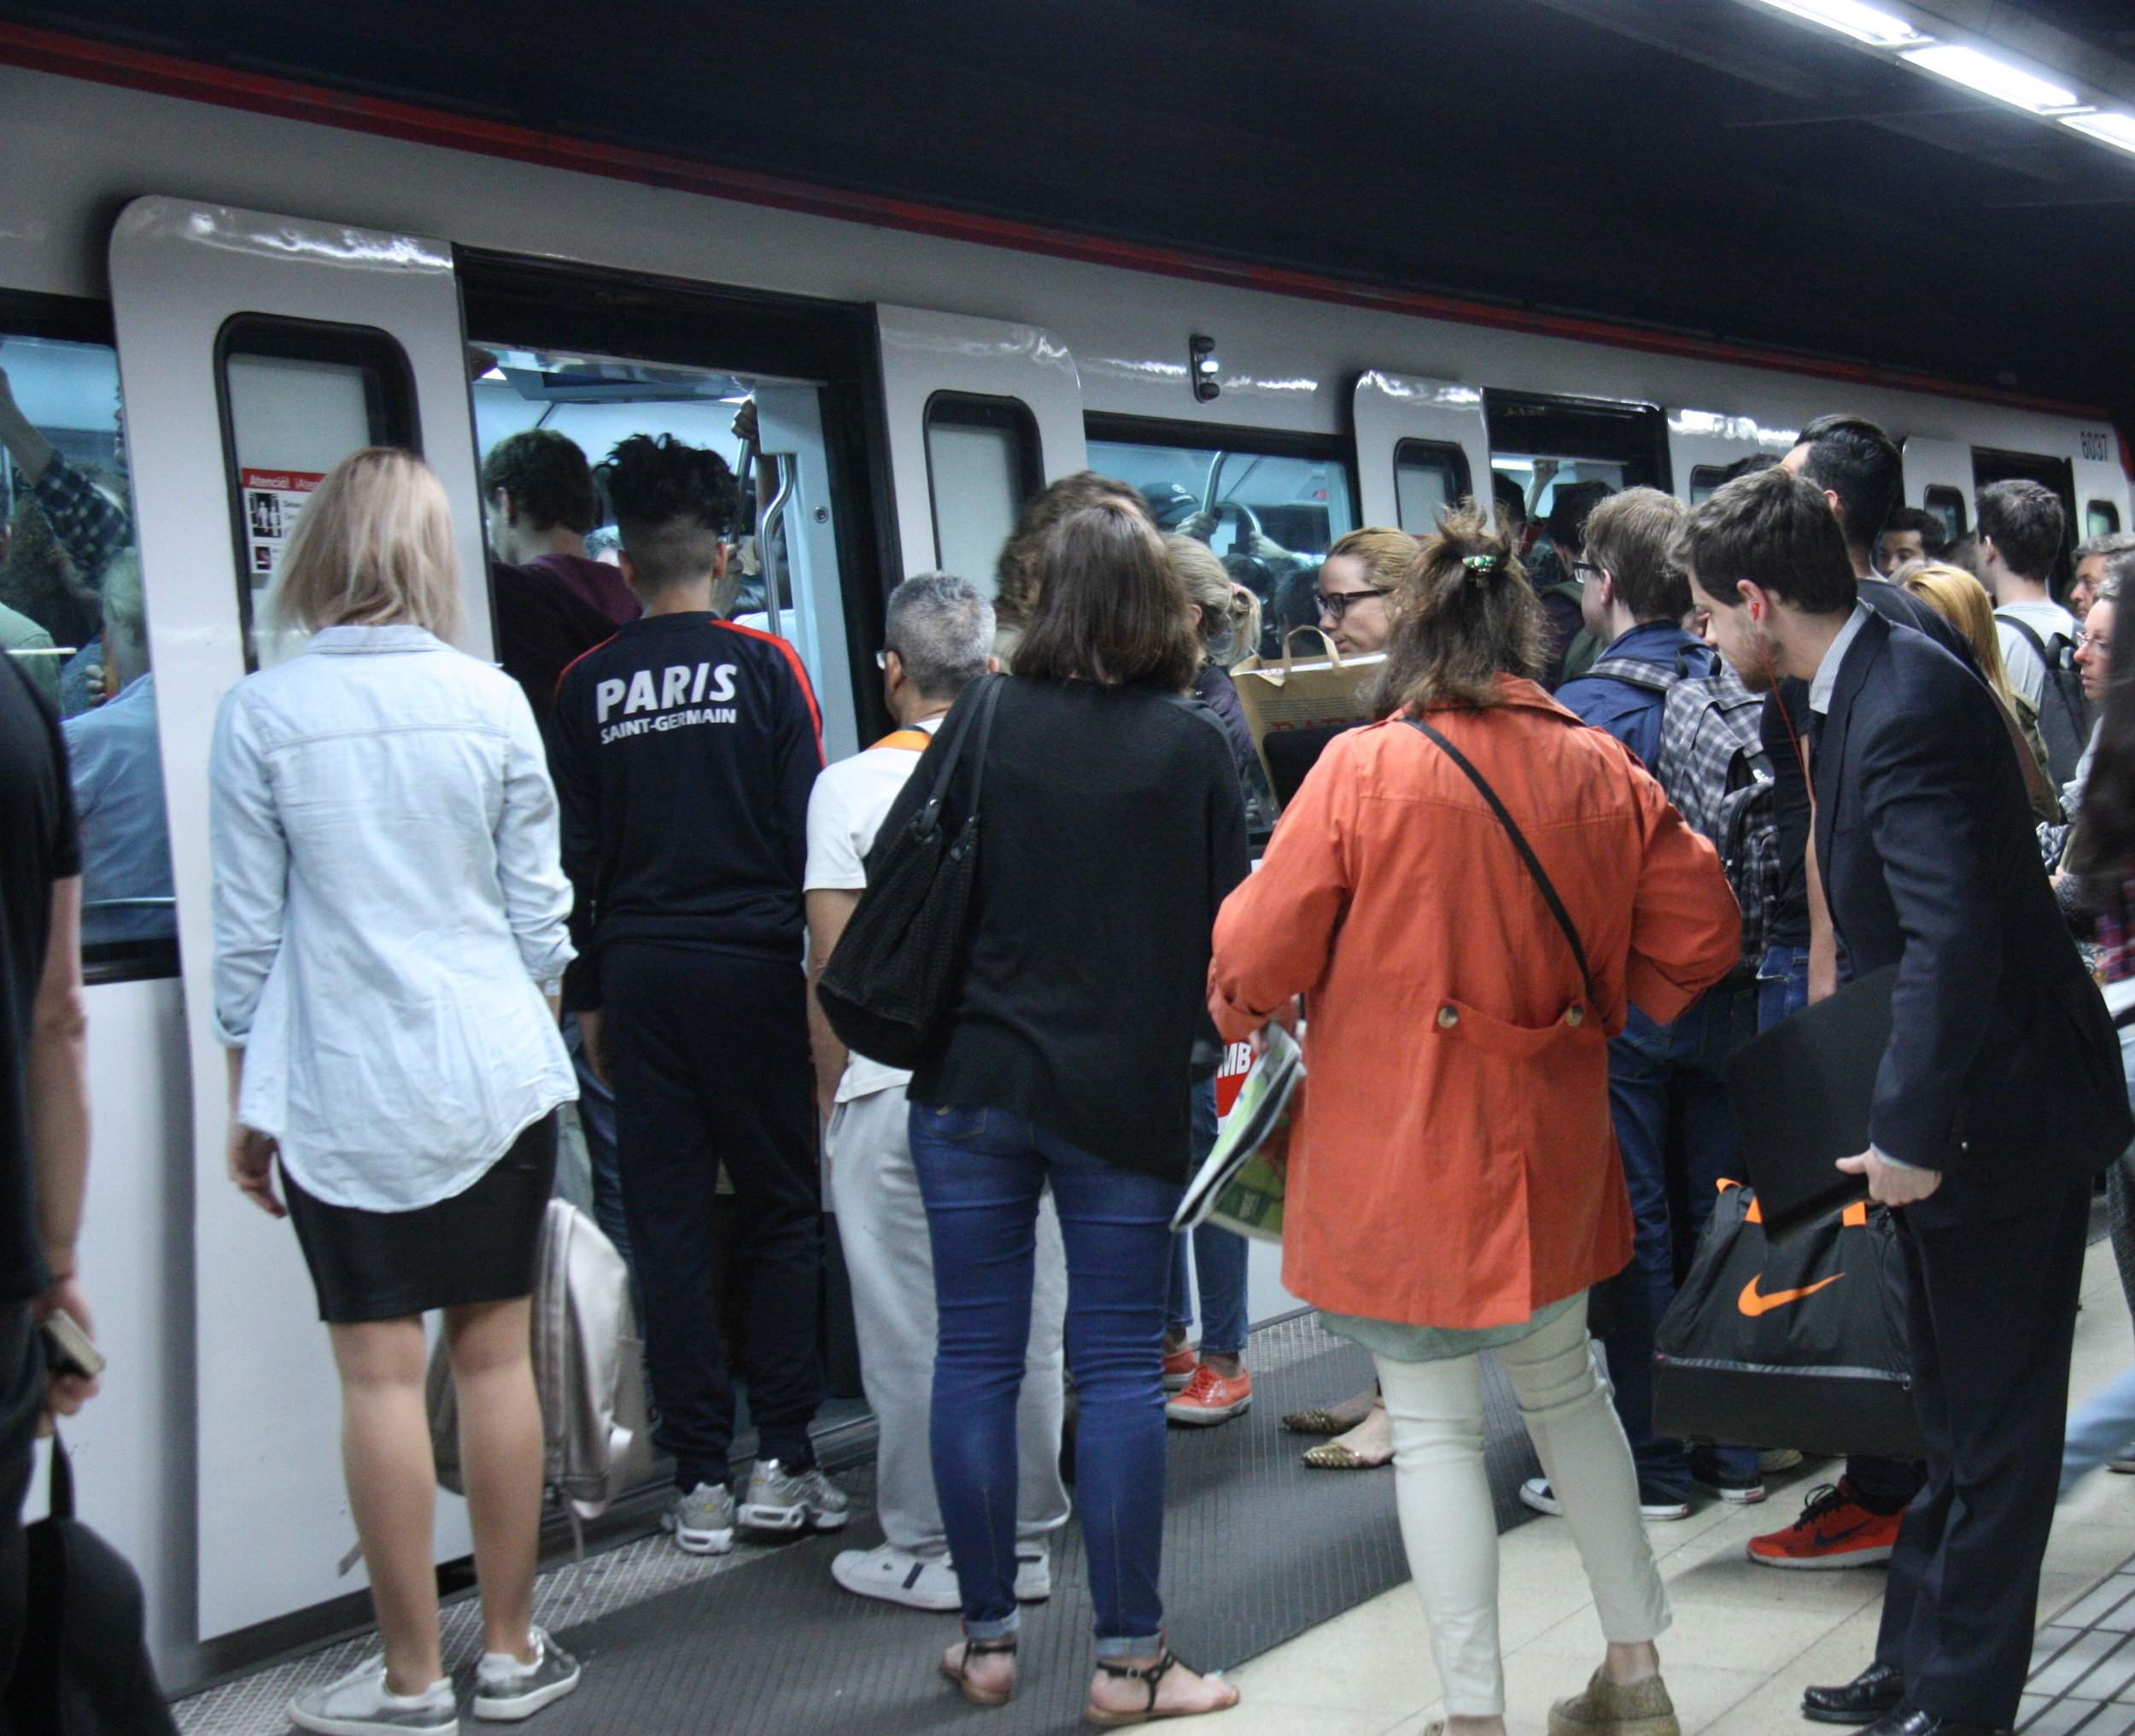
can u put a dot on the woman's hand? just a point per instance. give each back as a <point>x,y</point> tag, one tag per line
<point>251,1156</point>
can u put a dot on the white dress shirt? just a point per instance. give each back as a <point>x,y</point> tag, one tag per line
<point>388,907</point>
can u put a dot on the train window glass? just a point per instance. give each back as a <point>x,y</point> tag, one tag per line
<point>982,464</point>
<point>1541,445</point>
<point>2101,519</point>
<point>1269,505</point>
<point>1947,504</point>
<point>1429,477</point>
<point>73,616</point>
<point>298,396</point>
<point>1705,482</point>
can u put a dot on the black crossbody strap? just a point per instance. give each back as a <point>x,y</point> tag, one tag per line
<point>1520,843</point>
<point>988,701</point>
<point>958,731</point>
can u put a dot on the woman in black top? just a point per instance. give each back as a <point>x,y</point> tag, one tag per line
<point>1112,829</point>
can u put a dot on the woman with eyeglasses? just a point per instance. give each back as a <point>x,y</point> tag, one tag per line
<point>1356,579</point>
<point>1472,892</point>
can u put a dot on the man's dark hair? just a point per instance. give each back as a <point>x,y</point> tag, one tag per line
<point>1747,465</point>
<point>1570,507</point>
<point>1855,459</point>
<point>547,478</point>
<point>1776,530</point>
<point>2027,521</point>
<point>1512,504</point>
<point>675,504</point>
<point>1934,533</point>
<point>1632,537</point>
<point>1111,608</point>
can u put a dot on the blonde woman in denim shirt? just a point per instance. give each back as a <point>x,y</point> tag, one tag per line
<point>390,931</point>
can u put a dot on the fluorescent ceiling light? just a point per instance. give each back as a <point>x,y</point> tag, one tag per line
<point>2107,128</point>
<point>1866,24</point>
<point>1992,78</point>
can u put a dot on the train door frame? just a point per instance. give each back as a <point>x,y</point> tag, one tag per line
<point>1701,440</point>
<point>1999,464</point>
<point>1934,466</point>
<point>1389,411</point>
<point>566,304</point>
<point>181,271</point>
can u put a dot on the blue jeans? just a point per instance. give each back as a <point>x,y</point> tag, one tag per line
<point>1666,1090</point>
<point>980,1173</point>
<point>1782,985</point>
<point>1219,1257</point>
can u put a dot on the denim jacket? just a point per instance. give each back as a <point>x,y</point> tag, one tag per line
<point>389,906</point>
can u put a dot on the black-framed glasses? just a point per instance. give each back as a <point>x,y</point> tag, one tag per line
<point>1579,569</point>
<point>1334,605</point>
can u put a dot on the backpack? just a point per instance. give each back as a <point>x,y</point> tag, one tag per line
<point>1713,767</point>
<point>2064,715</point>
<point>586,1370</point>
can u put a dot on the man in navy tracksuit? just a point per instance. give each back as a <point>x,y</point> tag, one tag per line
<point>684,750</point>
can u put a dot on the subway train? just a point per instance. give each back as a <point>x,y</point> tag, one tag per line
<point>209,294</point>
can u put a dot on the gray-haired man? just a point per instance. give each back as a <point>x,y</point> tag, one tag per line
<point>939,640</point>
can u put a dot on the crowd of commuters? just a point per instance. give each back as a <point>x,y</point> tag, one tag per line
<point>450,901</point>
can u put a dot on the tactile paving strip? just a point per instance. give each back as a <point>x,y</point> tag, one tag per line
<point>2083,1665</point>
<point>1257,1548</point>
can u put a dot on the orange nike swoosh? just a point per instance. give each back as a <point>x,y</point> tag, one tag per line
<point>1754,1305</point>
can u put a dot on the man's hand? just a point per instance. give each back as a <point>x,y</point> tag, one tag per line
<point>29,449</point>
<point>593,1037</point>
<point>1286,1015</point>
<point>66,1393</point>
<point>1890,1184</point>
<point>251,1156</point>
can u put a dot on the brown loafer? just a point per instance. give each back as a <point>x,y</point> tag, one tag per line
<point>1605,1709</point>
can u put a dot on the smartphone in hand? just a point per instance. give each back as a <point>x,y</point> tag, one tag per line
<point>68,1349</point>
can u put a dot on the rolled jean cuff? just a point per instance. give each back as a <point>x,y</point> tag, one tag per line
<point>1153,1646</point>
<point>1005,1628</point>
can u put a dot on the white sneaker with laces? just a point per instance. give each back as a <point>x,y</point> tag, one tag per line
<point>359,1705</point>
<point>506,1690</point>
<point>702,1521</point>
<point>1033,1572</point>
<point>898,1576</point>
<point>779,1499</point>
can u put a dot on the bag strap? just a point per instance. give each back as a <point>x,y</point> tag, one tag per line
<point>62,1480</point>
<point>991,699</point>
<point>1520,843</point>
<point>951,742</point>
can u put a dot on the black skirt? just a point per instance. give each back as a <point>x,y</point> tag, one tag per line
<point>482,1245</point>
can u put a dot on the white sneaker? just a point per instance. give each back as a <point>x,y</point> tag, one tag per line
<point>1773,1459</point>
<point>779,1499</point>
<point>359,1705</point>
<point>701,1521</point>
<point>506,1690</point>
<point>898,1576</point>
<point>1537,1493</point>
<point>1033,1572</point>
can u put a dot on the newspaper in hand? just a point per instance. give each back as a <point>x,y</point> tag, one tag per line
<point>1240,1186</point>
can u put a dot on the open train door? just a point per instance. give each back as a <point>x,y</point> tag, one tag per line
<point>1702,444</point>
<point>1938,478</point>
<point>982,414</point>
<point>1421,445</point>
<point>256,351</point>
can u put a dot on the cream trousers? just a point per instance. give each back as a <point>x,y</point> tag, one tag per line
<point>1450,1527</point>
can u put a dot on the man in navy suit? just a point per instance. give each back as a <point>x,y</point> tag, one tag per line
<point>1999,1096</point>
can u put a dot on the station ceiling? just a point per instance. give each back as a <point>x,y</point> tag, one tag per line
<point>1703,166</point>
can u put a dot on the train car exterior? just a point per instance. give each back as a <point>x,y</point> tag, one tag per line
<point>280,289</point>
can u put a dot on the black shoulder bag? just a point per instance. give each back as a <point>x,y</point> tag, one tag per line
<point>889,986</point>
<point>1520,843</point>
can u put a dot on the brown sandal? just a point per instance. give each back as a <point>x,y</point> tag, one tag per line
<point>1316,1422</point>
<point>1150,1675</point>
<point>970,1689</point>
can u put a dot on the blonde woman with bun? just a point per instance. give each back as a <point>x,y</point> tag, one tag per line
<point>1962,600</point>
<point>391,928</point>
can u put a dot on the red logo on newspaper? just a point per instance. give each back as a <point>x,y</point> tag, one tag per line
<point>1237,1061</point>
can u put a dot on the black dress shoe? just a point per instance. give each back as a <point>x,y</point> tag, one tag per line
<point>1874,1693</point>
<point>1907,1721</point>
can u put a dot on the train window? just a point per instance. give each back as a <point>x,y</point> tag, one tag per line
<point>2101,519</point>
<point>1541,446</point>
<point>298,396</point>
<point>1947,504</point>
<point>982,464</point>
<point>1269,503</point>
<point>1705,481</point>
<point>1429,477</point>
<point>73,616</point>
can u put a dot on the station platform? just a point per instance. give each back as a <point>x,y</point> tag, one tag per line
<point>1292,1580</point>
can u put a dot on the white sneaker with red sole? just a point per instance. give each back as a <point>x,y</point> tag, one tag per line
<point>1209,1398</point>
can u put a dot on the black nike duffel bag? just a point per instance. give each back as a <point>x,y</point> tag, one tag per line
<point>1798,1342</point>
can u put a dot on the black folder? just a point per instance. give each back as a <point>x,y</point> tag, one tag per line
<point>1801,1094</point>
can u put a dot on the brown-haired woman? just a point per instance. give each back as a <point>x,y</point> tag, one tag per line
<point>1113,827</point>
<point>1454,1180</point>
<point>1019,574</point>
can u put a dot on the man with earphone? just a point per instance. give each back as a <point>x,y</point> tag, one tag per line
<point>1998,1096</point>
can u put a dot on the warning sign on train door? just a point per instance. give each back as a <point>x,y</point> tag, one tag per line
<point>274,501</point>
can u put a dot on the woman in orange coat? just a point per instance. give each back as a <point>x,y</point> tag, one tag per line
<point>1454,1178</point>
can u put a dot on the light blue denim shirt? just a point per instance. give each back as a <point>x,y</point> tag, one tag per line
<point>388,907</point>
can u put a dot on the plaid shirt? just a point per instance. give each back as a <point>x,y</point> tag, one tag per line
<point>88,526</point>
<point>1713,766</point>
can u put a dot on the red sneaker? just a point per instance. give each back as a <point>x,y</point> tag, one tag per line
<point>1834,1530</point>
<point>1179,1365</point>
<point>1209,1398</point>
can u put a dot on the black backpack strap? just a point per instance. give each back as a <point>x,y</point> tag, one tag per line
<point>1520,843</point>
<point>2030,633</point>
